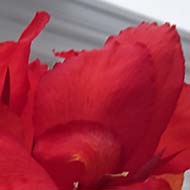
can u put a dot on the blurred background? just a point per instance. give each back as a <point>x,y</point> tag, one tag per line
<point>85,24</point>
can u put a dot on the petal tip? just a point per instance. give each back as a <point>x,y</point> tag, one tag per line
<point>39,21</point>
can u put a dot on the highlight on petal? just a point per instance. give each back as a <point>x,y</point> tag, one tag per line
<point>176,138</point>
<point>163,43</point>
<point>18,171</point>
<point>14,57</point>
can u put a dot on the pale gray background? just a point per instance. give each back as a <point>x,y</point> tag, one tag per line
<point>79,24</point>
<point>174,11</point>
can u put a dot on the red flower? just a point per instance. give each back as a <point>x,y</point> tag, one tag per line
<point>103,119</point>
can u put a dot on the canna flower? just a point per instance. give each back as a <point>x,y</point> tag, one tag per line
<point>112,118</point>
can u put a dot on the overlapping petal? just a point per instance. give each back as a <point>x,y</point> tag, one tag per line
<point>17,81</point>
<point>163,43</point>
<point>82,152</point>
<point>18,171</point>
<point>14,58</point>
<point>104,86</point>
<point>176,138</point>
<point>35,72</point>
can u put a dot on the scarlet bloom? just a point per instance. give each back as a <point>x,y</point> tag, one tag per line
<point>110,118</point>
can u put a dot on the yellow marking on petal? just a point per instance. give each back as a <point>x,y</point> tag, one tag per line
<point>79,158</point>
<point>76,157</point>
<point>123,174</point>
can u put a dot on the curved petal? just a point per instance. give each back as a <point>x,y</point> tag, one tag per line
<point>109,86</point>
<point>35,72</point>
<point>163,43</point>
<point>21,126</point>
<point>176,138</point>
<point>18,171</point>
<point>81,152</point>
<point>35,27</point>
<point>14,57</point>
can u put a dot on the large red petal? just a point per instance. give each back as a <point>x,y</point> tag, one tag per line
<point>18,171</point>
<point>163,43</point>
<point>112,86</point>
<point>14,56</point>
<point>176,138</point>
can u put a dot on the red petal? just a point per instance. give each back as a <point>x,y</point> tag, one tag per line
<point>11,123</point>
<point>177,136</point>
<point>35,27</point>
<point>5,94</point>
<point>14,56</point>
<point>35,71</point>
<point>5,49</point>
<point>150,184</point>
<point>108,97</point>
<point>81,152</point>
<point>113,86</point>
<point>66,54</point>
<point>21,127</point>
<point>18,171</point>
<point>163,43</point>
